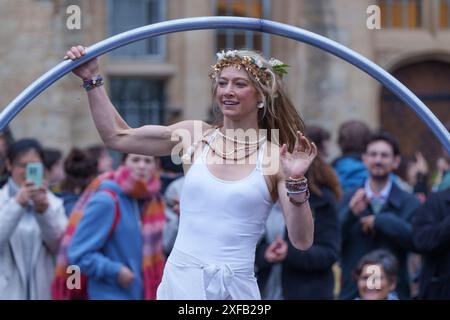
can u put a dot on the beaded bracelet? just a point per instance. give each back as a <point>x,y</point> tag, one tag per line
<point>90,84</point>
<point>296,185</point>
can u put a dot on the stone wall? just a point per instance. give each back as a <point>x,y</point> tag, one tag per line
<point>34,38</point>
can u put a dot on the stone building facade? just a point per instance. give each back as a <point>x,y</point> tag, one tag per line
<point>165,80</point>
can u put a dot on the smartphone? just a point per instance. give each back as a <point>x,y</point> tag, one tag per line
<point>35,173</point>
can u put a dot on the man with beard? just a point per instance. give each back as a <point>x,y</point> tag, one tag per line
<point>377,215</point>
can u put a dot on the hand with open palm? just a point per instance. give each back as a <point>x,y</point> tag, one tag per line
<point>295,164</point>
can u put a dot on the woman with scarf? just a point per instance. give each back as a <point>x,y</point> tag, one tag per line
<point>118,241</point>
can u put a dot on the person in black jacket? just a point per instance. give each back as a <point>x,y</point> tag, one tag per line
<point>284,272</point>
<point>377,215</point>
<point>431,236</point>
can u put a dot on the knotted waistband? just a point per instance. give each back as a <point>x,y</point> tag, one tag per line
<point>217,277</point>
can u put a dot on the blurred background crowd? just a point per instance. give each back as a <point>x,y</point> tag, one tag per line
<point>382,222</point>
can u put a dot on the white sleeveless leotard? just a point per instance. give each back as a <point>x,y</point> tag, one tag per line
<point>220,224</point>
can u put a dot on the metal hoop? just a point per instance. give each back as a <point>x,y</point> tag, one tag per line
<point>202,23</point>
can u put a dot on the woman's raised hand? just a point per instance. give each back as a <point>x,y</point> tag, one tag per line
<point>296,164</point>
<point>87,70</point>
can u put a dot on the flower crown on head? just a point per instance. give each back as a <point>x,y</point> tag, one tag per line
<point>255,67</point>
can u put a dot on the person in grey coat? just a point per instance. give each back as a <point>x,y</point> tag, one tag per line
<point>32,222</point>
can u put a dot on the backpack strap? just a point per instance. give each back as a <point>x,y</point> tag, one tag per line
<point>116,210</point>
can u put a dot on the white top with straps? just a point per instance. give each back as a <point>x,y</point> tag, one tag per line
<point>220,224</point>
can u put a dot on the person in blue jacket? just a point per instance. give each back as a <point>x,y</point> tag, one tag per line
<point>352,139</point>
<point>110,249</point>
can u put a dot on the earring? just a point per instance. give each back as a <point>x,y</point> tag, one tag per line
<point>260,105</point>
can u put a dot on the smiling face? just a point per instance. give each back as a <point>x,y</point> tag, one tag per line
<point>235,94</point>
<point>142,167</point>
<point>374,290</point>
<point>380,159</point>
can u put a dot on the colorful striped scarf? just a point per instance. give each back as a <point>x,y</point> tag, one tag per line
<point>153,221</point>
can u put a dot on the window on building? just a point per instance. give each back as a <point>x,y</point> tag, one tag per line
<point>444,14</point>
<point>230,38</point>
<point>139,101</point>
<point>130,14</point>
<point>405,14</point>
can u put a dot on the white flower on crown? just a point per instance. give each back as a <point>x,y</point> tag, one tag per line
<point>275,62</point>
<point>220,55</point>
<point>229,54</point>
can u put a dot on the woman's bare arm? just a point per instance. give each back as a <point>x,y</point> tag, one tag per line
<point>298,216</point>
<point>299,221</point>
<point>152,140</point>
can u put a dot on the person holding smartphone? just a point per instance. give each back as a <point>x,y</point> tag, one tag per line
<point>32,221</point>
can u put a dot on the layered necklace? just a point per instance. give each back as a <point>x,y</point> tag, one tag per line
<point>241,149</point>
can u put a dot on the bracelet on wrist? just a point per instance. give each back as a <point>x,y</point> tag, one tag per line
<point>296,179</point>
<point>296,185</point>
<point>299,203</point>
<point>92,83</point>
<point>297,192</point>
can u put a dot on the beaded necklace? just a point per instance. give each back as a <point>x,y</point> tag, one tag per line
<point>225,155</point>
<point>249,147</point>
<point>240,141</point>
